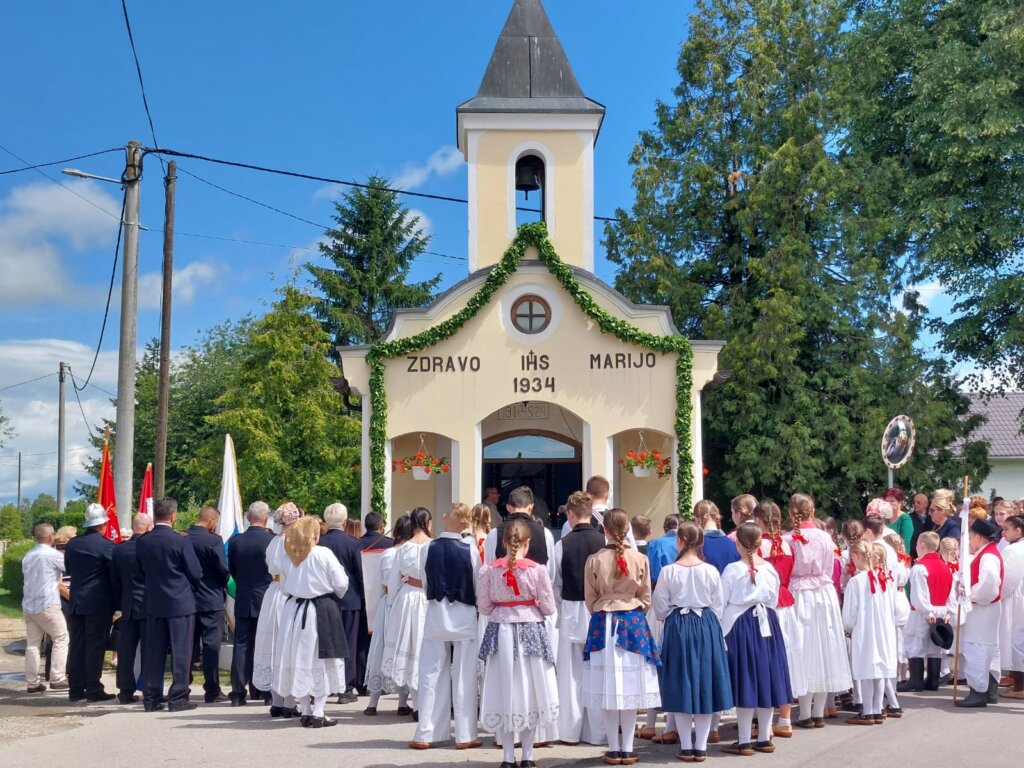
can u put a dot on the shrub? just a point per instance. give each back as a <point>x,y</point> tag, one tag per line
<point>13,579</point>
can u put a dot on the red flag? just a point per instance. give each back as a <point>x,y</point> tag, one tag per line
<point>146,494</point>
<point>105,496</point>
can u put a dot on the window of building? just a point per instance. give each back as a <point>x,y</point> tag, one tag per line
<point>531,314</point>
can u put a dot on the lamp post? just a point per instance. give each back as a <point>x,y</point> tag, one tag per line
<point>124,448</point>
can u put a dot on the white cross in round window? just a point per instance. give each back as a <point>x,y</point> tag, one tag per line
<point>531,314</point>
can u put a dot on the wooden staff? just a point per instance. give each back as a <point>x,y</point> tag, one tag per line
<point>956,650</point>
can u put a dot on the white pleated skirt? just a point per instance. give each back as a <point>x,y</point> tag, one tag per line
<point>298,669</point>
<point>403,637</point>
<point>518,694</point>
<point>266,637</point>
<point>615,678</point>
<point>794,640</point>
<point>375,680</point>
<point>825,660</point>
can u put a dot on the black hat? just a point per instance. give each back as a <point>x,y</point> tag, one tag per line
<point>984,528</point>
<point>942,635</point>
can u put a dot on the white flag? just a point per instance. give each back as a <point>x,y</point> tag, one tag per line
<point>230,504</point>
<point>963,580</point>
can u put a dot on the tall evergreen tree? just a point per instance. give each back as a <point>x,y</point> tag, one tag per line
<point>739,226</point>
<point>372,249</point>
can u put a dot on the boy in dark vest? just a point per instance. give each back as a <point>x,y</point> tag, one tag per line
<point>448,655</point>
<point>542,545</point>
<point>932,601</point>
<point>575,724</point>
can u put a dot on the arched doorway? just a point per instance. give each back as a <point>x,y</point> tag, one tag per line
<point>535,444</point>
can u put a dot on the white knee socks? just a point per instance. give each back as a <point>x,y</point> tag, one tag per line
<point>627,723</point>
<point>745,723</point>
<point>684,725</point>
<point>526,737</point>
<point>701,729</point>
<point>611,727</point>
<point>318,705</point>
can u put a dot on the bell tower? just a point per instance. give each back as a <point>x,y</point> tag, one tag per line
<point>530,128</point>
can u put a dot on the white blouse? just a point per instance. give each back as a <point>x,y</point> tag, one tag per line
<point>410,562</point>
<point>697,588</point>
<point>740,594</point>
<point>319,574</point>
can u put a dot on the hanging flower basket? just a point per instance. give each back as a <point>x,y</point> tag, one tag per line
<point>644,462</point>
<point>422,465</point>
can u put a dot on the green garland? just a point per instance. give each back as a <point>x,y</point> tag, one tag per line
<point>535,235</point>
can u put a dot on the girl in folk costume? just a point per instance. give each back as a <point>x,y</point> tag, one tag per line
<point>1011,626</point>
<point>933,601</point>
<point>949,551</point>
<point>828,524</point>
<point>620,671</point>
<point>852,532</point>
<point>407,615</point>
<point>756,646</point>
<point>900,579</point>
<point>868,618</point>
<point>825,660</point>
<point>520,693</point>
<point>779,554</point>
<point>309,655</point>
<point>376,681</point>
<point>694,673</point>
<point>743,509</point>
<point>481,527</point>
<point>270,616</point>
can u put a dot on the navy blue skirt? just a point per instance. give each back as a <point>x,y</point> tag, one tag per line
<point>694,673</point>
<point>757,665</point>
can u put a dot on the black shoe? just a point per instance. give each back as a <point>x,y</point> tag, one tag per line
<point>416,717</point>
<point>686,755</point>
<point>916,681</point>
<point>347,698</point>
<point>508,765</point>
<point>612,758</point>
<point>217,698</point>
<point>993,690</point>
<point>370,711</point>
<point>404,711</point>
<point>931,681</point>
<point>39,688</point>
<point>764,746</point>
<point>747,748</point>
<point>894,712</point>
<point>974,700</point>
<point>237,702</point>
<point>157,707</point>
<point>849,706</point>
<point>128,699</point>
<point>628,758</point>
<point>362,690</point>
<point>276,711</point>
<point>98,697</point>
<point>184,706</point>
<point>289,712</point>
<point>700,755</point>
<point>321,722</point>
<point>304,721</point>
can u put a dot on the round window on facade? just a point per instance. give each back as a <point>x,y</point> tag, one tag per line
<point>531,314</point>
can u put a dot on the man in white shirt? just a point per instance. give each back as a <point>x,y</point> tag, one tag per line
<point>599,489</point>
<point>43,567</point>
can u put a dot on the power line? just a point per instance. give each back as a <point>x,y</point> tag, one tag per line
<point>30,381</point>
<point>45,175</point>
<point>43,453</point>
<point>81,410</point>
<point>106,310</point>
<point>138,71</point>
<point>61,162</point>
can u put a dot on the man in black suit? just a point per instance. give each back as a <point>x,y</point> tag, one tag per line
<point>87,562</point>
<point>374,537</point>
<point>131,592</point>
<point>247,562</point>
<point>209,624</point>
<point>349,553</point>
<point>920,520</point>
<point>171,573</point>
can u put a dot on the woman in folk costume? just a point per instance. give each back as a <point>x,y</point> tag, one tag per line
<point>311,647</point>
<point>694,673</point>
<point>825,659</point>
<point>376,681</point>
<point>620,670</point>
<point>779,554</point>
<point>270,616</point>
<point>520,692</point>
<point>933,601</point>
<point>901,606</point>
<point>743,509</point>
<point>757,651</point>
<point>1011,627</point>
<point>408,612</point>
<point>868,617</point>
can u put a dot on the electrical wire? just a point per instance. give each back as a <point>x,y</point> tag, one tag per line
<point>45,175</point>
<point>75,388</point>
<point>138,71</point>
<point>30,381</point>
<point>61,162</point>
<point>106,310</point>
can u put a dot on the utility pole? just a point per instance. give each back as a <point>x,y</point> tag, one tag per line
<point>163,391</point>
<point>19,482</point>
<point>125,445</point>
<point>60,442</point>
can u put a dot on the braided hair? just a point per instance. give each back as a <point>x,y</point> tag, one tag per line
<point>515,532</point>
<point>801,508</point>
<point>616,523</point>
<point>690,538</point>
<point>768,514</point>
<point>748,535</point>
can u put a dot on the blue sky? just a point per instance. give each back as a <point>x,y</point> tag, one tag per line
<point>338,89</point>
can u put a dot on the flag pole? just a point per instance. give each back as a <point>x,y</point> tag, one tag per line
<point>959,608</point>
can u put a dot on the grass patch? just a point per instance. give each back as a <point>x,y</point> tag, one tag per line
<point>9,606</point>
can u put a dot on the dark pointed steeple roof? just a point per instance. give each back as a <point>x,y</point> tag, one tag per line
<point>529,71</point>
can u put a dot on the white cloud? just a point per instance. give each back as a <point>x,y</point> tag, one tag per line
<point>330,192</point>
<point>187,282</point>
<point>443,162</point>
<point>425,223</point>
<point>37,221</point>
<point>33,411</point>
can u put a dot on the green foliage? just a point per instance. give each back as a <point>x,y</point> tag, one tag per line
<point>6,431</point>
<point>754,229</point>
<point>293,437</point>
<point>372,249</point>
<point>936,107</point>
<point>13,580</point>
<point>529,235</point>
<point>11,528</point>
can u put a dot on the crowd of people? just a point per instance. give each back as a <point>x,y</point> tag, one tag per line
<point>487,624</point>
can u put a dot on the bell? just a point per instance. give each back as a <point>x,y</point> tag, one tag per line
<point>529,175</point>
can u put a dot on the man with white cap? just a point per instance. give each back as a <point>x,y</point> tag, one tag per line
<point>979,636</point>
<point>87,560</point>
